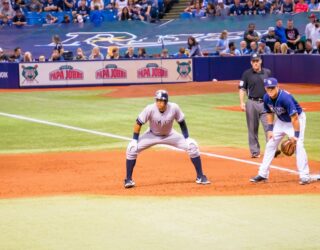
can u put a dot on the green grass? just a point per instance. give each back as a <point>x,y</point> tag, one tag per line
<point>89,109</point>
<point>99,222</point>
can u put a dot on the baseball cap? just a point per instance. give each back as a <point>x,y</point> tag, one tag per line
<point>312,15</point>
<point>270,82</point>
<point>255,56</point>
<point>271,29</point>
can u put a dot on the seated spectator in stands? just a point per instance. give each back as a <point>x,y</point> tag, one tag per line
<point>277,48</point>
<point>17,55</point>
<point>210,10</point>
<point>34,6</point>
<point>142,53</point>
<point>263,49</point>
<point>249,8</point>
<point>250,35</point>
<point>66,19</point>
<point>98,3</point>
<point>198,11</point>
<point>119,5</point>
<point>222,9</point>
<point>95,54</point>
<point>50,5</point>
<point>318,47</point>
<point>287,7</point>
<point>310,26</point>
<point>300,48</point>
<point>262,9</point>
<point>243,48</point>
<point>96,16</point>
<point>292,35</point>
<point>145,9</point>
<point>80,55</point>
<point>276,7</point>
<point>236,9</point>
<point>5,21</point>
<point>42,58</point>
<point>56,56</point>
<point>223,42</point>
<point>280,31</point>
<point>315,33</point>
<point>300,7</point>
<point>83,10</point>
<point>130,53</point>
<point>3,56</point>
<point>270,38</point>
<point>110,5</point>
<point>57,44</point>
<point>125,14</point>
<point>309,48</point>
<point>19,19</point>
<point>6,11</point>
<point>18,4</point>
<point>65,5</point>
<point>27,57</point>
<point>231,50</point>
<point>253,48</point>
<point>181,53</point>
<point>165,53</point>
<point>313,5</point>
<point>193,47</point>
<point>134,10</point>
<point>285,49</point>
<point>50,19</point>
<point>114,53</point>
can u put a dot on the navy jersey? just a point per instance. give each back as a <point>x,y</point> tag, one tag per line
<point>284,106</point>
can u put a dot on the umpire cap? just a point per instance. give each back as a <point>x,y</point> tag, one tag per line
<point>162,94</point>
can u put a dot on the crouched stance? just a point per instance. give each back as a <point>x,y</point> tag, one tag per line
<point>161,116</point>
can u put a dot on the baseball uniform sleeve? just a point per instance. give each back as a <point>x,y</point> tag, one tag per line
<point>243,84</point>
<point>179,115</point>
<point>144,115</point>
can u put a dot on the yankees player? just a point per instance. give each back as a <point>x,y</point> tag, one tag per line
<point>161,116</point>
<point>291,121</point>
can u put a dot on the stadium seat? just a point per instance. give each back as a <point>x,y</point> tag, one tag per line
<point>185,15</point>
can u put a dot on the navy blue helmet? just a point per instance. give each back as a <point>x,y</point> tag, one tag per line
<point>162,95</point>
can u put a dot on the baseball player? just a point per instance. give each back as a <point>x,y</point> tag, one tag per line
<point>291,121</point>
<point>161,116</point>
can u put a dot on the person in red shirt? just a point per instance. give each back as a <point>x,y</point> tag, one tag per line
<point>301,6</point>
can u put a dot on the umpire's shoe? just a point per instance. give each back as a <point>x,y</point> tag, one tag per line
<point>258,178</point>
<point>129,183</point>
<point>202,180</point>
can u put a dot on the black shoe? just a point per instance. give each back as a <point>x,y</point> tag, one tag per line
<point>277,153</point>
<point>258,178</point>
<point>255,155</point>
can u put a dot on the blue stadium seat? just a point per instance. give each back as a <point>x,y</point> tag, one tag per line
<point>34,20</point>
<point>185,15</point>
<point>109,15</point>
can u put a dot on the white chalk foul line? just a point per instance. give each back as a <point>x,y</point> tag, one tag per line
<point>128,139</point>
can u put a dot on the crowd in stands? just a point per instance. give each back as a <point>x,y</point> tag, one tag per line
<point>20,12</point>
<point>209,8</point>
<point>277,40</point>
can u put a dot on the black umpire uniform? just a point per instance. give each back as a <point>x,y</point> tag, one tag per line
<point>252,84</point>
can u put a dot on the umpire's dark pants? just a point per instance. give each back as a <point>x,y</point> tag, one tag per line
<point>254,113</point>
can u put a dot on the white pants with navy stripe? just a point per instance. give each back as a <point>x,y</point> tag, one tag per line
<point>279,131</point>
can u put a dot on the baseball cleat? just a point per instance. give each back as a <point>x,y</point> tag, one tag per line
<point>258,178</point>
<point>202,180</point>
<point>304,181</point>
<point>277,153</point>
<point>129,183</point>
<point>255,155</point>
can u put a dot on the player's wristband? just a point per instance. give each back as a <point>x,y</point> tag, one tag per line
<point>136,136</point>
<point>270,127</point>
<point>296,134</point>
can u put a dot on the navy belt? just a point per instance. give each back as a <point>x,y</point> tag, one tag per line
<point>256,99</point>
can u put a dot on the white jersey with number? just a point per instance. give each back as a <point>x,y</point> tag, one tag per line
<point>161,123</point>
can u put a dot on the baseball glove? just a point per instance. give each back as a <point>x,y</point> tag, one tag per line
<point>288,147</point>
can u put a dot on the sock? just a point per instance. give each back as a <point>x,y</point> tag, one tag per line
<point>130,165</point>
<point>197,165</point>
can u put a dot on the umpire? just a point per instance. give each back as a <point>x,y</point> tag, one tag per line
<point>252,85</point>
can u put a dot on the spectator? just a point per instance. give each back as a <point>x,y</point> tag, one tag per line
<point>249,8</point>
<point>276,7</point>
<point>277,48</point>
<point>145,9</point>
<point>57,44</point>
<point>243,48</point>
<point>66,19</point>
<point>42,58</point>
<point>65,5</point>
<point>113,53</point>
<point>27,57</point>
<point>134,10</point>
<point>95,54</point>
<point>96,16</point>
<point>210,10</point>
<point>287,7</point>
<point>285,49</point>
<point>310,26</point>
<point>197,11</point>
<point>130,53</point>
<point>50,19</point>
<point>80,56</point>
<point>263,49</point>
<point>56,56</point>
<point>222,43</point>
<point>300,7</point>
<point>315,33</point>
<point>231,50</point>
<point>194,47</point>
<point>253,48</point>
<point>313,5</point>
<point>6,11</point>
<point>5,21</point>
<point>236,9</point>
<point>119,5</point>
<point>300,48</point>
<point>125,14</point>
<point>83,10</point>
<point>318,47</point>
<point>98,3</point>
<point>34,6</point>
<point>19,19</point>
<point>181,53</point>
<point>280,31</point>
<point>3,56</point>
<point>142,53</point>
<point>292,35</point>
<point>18,4</point>
<point>222,10</point>
<point>165,53</point>
<point>309,48</point>
<point>49,6</point>
<point>270,38</point>
<point>251,35</point>
<point>262,9</point>
<point>17,55</point>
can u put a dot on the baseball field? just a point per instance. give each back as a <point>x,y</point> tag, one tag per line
<point>62,165</point>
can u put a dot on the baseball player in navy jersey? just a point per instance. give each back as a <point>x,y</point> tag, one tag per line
<point>291,121</point>
<point>161,116</point>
